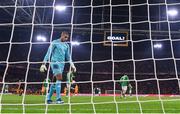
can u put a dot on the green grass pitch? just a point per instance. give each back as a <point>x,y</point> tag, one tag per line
<point>83,104</point>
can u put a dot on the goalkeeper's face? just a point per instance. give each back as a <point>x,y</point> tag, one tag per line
<point>64,37</point>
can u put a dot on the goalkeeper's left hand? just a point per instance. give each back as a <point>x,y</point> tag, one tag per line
<point>74,68</point>
<point>43,68</point>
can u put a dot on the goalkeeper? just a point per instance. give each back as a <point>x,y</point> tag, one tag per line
<point>70,81</point>
<point>124,82</point>
<point>57,53</point>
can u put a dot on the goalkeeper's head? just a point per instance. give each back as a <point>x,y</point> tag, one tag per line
<point>64,36</point>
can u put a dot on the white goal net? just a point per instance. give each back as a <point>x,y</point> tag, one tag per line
<point>108,39</point>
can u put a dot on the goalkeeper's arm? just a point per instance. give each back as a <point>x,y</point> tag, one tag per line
<point>68,57</point>
<point>43,67</point>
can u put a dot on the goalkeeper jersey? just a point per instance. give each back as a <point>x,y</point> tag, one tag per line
<point>124,80</point>
<point>58,51</point>
<point>45,84</point>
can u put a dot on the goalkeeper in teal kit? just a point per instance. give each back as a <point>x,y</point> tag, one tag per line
<point>57,54</point>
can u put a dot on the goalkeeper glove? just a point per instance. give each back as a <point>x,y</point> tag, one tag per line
<point>43,68</point>
<point>73,67</point>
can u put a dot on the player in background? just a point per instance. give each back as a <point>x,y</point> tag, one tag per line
<point>57,54</point>
<point>45,86</point>
<point>97,91</point>
<point>70,82</point>
<point>20,87</point>
<point>124,82</point>
<point>72,87</point>
<point>6,89</point>
<point>65,90</point>
<point>130,89</point>
<point>76,90</point>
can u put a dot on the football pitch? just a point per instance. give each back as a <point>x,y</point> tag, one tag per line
<point>88,104</point>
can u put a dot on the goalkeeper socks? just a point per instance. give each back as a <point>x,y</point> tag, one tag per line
<point>58,89</point>
<point>51,91</point>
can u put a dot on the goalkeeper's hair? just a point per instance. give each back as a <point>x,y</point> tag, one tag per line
<point>64,32</point>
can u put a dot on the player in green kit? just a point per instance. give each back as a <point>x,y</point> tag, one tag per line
<point>44,86</point>
<point>124,82</point>
<point>130,89</point>
<point>70,81</point>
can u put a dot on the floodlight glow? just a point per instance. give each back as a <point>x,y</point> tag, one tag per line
<point>172,12</point>
<point>75,43</point>
<point>158,46</point>
<point>41,38</point>
<point>60,8</point>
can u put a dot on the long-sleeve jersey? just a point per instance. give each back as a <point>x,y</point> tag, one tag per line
<point>58,52</point>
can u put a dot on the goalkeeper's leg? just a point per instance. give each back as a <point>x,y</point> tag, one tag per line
<point>51,91</point>
<point>57,72</point>
<point>58,89</point>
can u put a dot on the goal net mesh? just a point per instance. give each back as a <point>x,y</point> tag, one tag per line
<point>108,39</point>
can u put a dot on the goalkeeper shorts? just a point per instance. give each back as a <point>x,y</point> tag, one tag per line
<point>57,68</point>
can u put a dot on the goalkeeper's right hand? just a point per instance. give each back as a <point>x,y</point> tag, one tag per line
<point>43,68</point>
